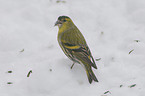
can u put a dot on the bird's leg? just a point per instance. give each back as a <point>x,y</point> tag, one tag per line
<point>72,65</point>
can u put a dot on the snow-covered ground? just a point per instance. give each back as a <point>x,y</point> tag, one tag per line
<point>114,31</point>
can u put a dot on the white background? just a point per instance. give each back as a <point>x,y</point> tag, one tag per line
<point>110,28</point>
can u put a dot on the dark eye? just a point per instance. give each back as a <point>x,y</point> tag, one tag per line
<point>64,20</point>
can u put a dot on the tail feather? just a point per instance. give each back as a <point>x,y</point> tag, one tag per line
<point>93,64</point>
<point>91,76</point>
<point>88,65</point>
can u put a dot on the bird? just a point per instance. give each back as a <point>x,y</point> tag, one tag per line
<point>74,46</point>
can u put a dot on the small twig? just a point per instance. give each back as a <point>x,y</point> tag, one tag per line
<point>9,71</point>
<point>29,73</point>
<point>132,86</point>
<point>102,33</point>
<point>50,70</point>
<point>107,92</point>
<point>9,83</point>
<point>98,59</point>
<point>22,50</point>
<point>121,86</point>
<point>137,40</point>
<point>131,51</point>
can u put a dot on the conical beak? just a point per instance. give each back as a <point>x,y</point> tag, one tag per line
<point>57,22</point>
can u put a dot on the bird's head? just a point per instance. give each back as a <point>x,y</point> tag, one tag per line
<point>63,21</point>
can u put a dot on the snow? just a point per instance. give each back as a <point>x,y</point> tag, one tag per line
<point>28,41</point>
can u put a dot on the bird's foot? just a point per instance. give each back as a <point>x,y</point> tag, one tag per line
<point>72,65</point>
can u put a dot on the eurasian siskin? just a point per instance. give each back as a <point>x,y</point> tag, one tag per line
<point>74,46</point>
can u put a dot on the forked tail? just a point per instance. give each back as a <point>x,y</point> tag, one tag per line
<point>91,75</point>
